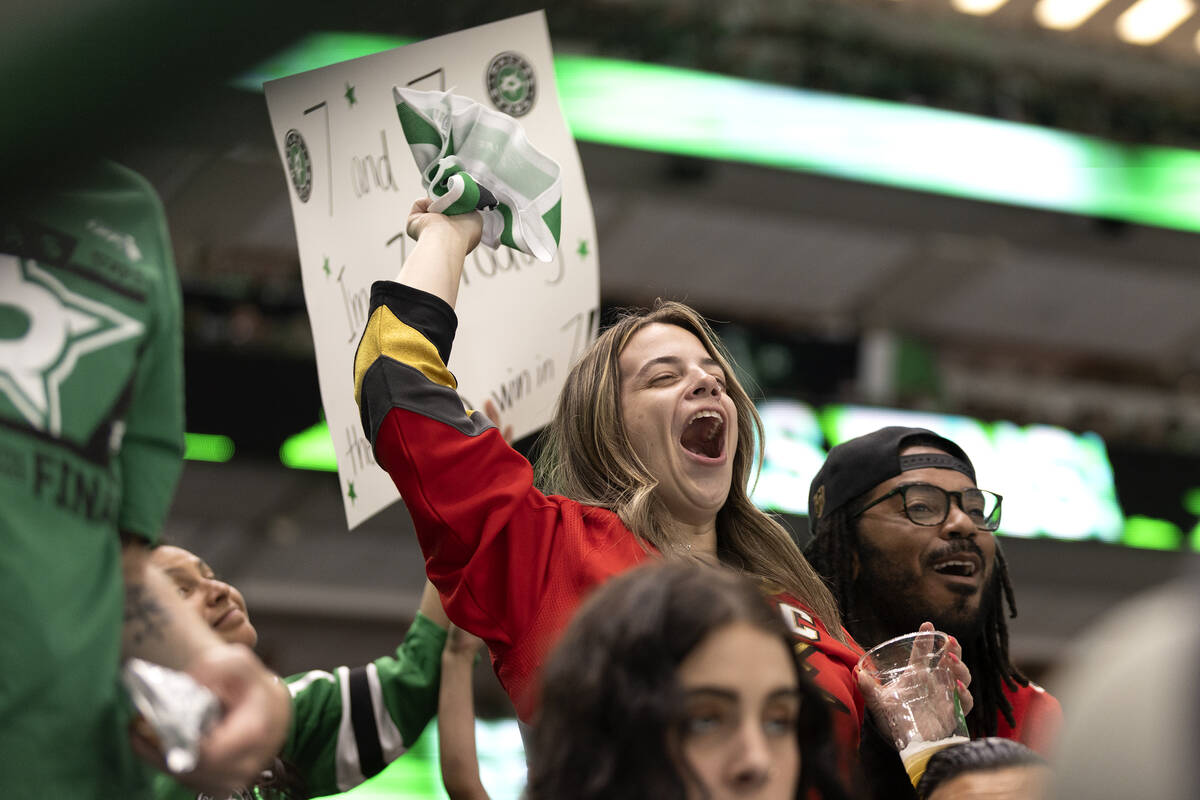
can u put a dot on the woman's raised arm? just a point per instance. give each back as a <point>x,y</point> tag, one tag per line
<point>435,265</point>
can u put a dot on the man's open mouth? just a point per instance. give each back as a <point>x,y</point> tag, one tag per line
<point>958,567</point>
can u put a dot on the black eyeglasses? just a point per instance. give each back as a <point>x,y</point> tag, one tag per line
<point>926,504</point>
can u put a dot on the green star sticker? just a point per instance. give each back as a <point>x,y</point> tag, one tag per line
<point>583,248</point>
<point>350,94</point>
<point>325,267</point>
<point>351,493</point>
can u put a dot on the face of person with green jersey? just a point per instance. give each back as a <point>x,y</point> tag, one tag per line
<point>218,603</point>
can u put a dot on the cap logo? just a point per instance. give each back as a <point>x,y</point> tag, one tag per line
<point>818,502</point>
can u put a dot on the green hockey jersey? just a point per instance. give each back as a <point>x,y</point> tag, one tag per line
<point>91,443</point>
<point>347,725</point>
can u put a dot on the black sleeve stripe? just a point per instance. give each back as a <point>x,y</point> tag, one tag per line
<point>362,719</point>
<point>431,316</point>
<point>389,384</point>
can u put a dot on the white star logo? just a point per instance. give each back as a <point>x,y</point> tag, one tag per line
<point>60,326</point>
<point>511,84</point>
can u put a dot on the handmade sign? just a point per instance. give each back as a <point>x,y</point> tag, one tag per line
<point>528,307</point>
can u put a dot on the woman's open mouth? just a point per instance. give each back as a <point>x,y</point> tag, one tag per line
<point>704,434</point>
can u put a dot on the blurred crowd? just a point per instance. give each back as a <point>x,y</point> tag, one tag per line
<point>658,634</point>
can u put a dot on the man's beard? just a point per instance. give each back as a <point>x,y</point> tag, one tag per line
<point>885,600</point>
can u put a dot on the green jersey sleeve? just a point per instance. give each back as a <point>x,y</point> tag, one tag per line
<point>151,456</point>
<point>347,725</point>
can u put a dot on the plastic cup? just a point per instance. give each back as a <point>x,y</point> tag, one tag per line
<point>916,697</point>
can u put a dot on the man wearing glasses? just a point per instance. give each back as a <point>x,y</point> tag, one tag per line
<point>902,535</point>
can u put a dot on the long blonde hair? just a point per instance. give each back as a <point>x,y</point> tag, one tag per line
<point>586,456</point>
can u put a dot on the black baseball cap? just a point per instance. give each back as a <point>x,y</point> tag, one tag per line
<point>858,465</point>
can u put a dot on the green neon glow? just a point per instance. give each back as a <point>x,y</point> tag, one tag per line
<point>1194,537</point>
<point>1158,185</point>
<point>1151,534</point>
<point>317,50</point>
<point>207,447</point>
<point>686,112</point>
<point>418,776</point>
<point>312,448</point>
<point>700,114</point>
<point>1191,501</point>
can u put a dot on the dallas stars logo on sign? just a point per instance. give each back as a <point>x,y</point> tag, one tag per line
<point>299,164</point>
<point>511,85</point>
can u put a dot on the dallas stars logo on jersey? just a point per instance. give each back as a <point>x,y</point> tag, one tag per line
<point>45,328</point>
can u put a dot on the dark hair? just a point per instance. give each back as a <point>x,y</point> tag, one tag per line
<point>974,756</point>
<point>985,651</point>
<point>610,697</point>
<point>281,781</point>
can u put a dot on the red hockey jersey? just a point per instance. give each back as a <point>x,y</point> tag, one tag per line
<point>511,563</point>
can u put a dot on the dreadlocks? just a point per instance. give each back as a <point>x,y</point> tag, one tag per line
<point>831,553</point>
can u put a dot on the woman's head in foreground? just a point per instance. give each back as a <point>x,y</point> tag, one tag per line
<point>678,680</point>
<point>653,408</point>
<point>653,424</point>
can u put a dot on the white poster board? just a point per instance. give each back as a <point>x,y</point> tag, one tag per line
<point>352,179</point>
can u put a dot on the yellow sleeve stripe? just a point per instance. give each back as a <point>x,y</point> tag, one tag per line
<point>388,336</point>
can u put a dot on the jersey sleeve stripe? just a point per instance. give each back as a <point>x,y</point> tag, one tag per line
<point>298,684</point>
<point>387,336</point>
<point>390,384</point>
<point>347,770</point>
<point>427,331</point>
<point>362,720</point>
<point>429,314</point>
<point>390,740</point>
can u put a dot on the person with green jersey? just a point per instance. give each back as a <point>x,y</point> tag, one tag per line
<point>348,724</point>
<point>91,444</point>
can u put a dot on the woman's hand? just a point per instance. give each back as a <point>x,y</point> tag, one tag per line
<point>466,227</point>
<point>435,265</point>
<point>489,408</point>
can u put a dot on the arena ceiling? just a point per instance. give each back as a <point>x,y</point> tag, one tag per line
<point>1006,291</point>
